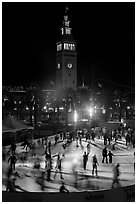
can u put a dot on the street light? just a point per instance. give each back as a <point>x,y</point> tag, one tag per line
<point>91,112</point>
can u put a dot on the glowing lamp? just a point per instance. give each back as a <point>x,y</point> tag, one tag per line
<point>45,107</point>
<point>90,112</point>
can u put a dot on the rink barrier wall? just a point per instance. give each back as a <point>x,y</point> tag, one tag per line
<point>123,194</point>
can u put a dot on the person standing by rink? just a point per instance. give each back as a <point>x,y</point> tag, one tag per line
<point>104,154</point>
<point>58,166</point>
<point>85,159</point>
<point>116,174</point>
<point>110,154</point>
<point>80,142</point>
<point>95,163</point>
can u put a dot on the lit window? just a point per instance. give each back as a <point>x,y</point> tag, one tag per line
<point>69,46</point>
<point>59,47</point>
<point>62,31</point>
<point>73,46</point>
<point>68,31</point>
<point>66,46</point>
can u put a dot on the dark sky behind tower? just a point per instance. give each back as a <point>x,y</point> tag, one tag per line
<point>105,34</point>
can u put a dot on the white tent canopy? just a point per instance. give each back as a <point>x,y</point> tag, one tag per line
<point>11,123</point>
<point>7,129</point>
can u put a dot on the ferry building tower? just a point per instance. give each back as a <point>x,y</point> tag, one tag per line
<point>66,57</point>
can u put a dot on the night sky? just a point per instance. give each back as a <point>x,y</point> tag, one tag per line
<point>105,41</point>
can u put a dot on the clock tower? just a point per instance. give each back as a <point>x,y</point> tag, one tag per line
<point>66,57</point>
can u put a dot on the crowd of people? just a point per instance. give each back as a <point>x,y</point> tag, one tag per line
<point>110,138</point>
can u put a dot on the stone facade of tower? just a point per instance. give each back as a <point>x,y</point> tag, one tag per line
<point>66,58</point>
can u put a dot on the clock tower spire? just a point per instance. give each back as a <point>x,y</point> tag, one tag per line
<point>66,57</point>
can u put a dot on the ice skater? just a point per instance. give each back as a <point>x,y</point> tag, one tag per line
<point>110,154</point>
<point>58,166</point>
<point>116,174</point>
<point>85,159</point>
<point>94,165</point>
<point>104,154</point>
<point>12,159</point>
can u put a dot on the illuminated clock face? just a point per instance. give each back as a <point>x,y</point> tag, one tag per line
<point>58,66</point>
<point>69,65</point>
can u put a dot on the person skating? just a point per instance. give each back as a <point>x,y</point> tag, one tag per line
<point>105,138</point>
<point>77,141</point>
<point>75,174</point>
<point>26,144</point>
<point>56,139</point>
<point>109,138</point>
<point>92,134</point>
<point>49,147</point>
<point>116,174</point>
<point>95,163</point>
<point>88,147</point>
<point>33,147</point>
<point>11,178</point>
<point>110,154</point>
<point>42,178</point>
<point>85,159</point>
<point>10,184</point>
<point>104,154</point>
<point>12,159</point>
<point>48,166</point>
<point>58,166</point>
<point>13,148</point>
<point>9,172</point>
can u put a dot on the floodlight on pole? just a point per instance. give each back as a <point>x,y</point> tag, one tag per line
<point>91,112</point>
